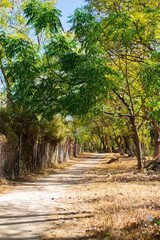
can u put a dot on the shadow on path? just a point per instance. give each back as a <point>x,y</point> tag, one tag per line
<point>26,210</point>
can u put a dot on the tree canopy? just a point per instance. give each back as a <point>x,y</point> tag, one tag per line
<point>107,65</point>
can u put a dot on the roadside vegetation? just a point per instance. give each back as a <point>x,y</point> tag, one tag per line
<point>95,86</point>
<point>104,70</point>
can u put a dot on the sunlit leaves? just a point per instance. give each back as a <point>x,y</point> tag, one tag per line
<point>12,19</point>
<point>43,16</point>
<point>87,30</point>
<point>150,76</point>
<point>59,45</point>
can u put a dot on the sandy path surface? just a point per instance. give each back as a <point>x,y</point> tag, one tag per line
<point>25,211</point>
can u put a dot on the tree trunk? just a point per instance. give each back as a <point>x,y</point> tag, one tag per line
<point>8,88</point>
<point>157,141</point>
<point>108,146</point>
<point>128,147</point>
<point>20,155</point>
<point>95,147</point>
<point>101,144</point>
<point>104,145</point>
<point>138,144</point>
<point>119,143</point>
<point>75,148</point>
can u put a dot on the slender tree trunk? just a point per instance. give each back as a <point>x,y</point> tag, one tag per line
<point>8,88</point>
<point>157,140</point>
<point>108,146</point>
<point>143,140</point>
<point>138,144</point>
<point>20,154</point>
<point>101,144</point>
<point>75,148</point>
<point>95,146</point>
<point>100,147</point>
<point>104,145</point>
<point>128,147</point>
<point>119,143</point>
<point>133,121</point>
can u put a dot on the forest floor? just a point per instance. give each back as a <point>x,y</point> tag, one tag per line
<point>109,200</point>
<point>96,196</point>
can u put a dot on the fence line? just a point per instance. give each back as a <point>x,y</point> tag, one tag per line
<point>16,160</point>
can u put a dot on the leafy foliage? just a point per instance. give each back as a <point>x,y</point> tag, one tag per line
<point>107,65</point>
<point>43,16</point>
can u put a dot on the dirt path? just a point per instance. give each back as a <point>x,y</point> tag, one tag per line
<point>108,200</point>
<point>25,211</point>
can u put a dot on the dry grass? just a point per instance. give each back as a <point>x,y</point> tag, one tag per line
<point>112,204</point>
<point>6,185</point>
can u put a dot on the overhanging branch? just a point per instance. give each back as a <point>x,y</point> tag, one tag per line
<point>117,114</point>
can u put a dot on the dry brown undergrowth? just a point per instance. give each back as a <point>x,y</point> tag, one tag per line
<point>112,203</point>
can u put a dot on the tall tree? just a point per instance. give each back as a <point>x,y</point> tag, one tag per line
<point>137,41</point>
<point>117,33</point>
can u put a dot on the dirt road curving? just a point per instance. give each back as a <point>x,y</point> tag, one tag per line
<point>25,211</point>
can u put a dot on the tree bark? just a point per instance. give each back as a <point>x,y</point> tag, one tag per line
<point>104,145</point>
<point>119,143</point>
<point>108,146</point>
<point>95,147</point>
<point>128,147</point>
<point>75,148</point>
<point>133,121</point>
<point>138,144</point>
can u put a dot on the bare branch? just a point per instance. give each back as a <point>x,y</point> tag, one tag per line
<point>117,115</point>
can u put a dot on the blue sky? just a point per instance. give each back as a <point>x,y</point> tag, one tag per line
<point>67,7</point>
